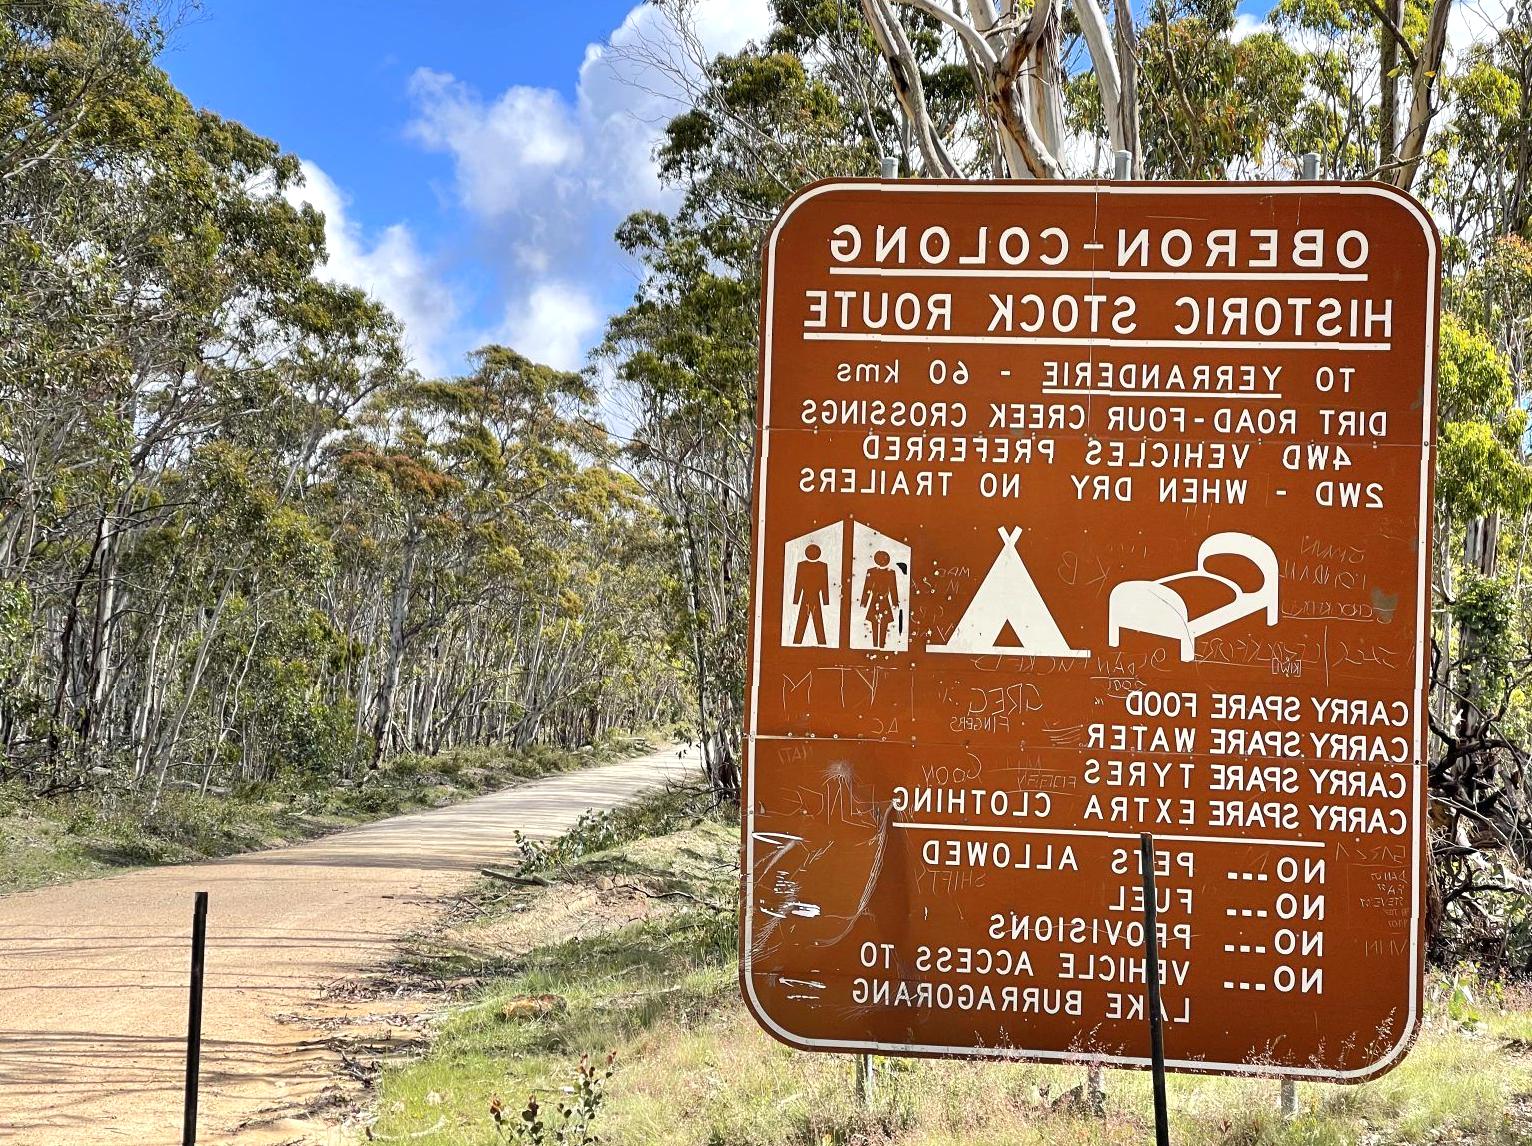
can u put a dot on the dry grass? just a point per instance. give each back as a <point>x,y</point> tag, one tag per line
<point>737,1086</point>
<point>694,1070</point>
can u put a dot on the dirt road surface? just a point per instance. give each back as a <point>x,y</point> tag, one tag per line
<point>93,975</point>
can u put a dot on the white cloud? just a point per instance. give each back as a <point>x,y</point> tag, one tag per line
<point>553,324</point>
<point>392,269</point>
<point>634,83</point>
<point>543,179</point>
<point>1247,24</point>
<point>504,148</point>
<point>546,178</point>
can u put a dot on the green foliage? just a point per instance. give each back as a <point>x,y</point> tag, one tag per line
<point>1475,382</point>
<point>1482,190</point>
<point>242,542</point>
<point>672,809</point>
<point>570,1122</point>
<point>1486,606</point>
<point>1477,472</point>
<point>1458,994</point>
<point>1494,937</point>
<point>16,627</point>
<point>1212,103</point>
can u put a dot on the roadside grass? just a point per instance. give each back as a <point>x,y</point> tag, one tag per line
<point>668,849</point>
<point>56,839</point>
<point>692,1069</point>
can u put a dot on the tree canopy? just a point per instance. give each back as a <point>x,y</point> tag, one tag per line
<point>241,538</point>
<point>981,89</point>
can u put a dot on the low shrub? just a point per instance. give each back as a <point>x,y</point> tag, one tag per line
<point>112,825</point>
<point>671,809</point>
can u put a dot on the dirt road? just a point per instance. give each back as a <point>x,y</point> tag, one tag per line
<point>93,974</point>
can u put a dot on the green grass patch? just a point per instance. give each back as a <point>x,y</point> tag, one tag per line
<point>601,994</point>
<point>692,864</point>
<point>60,838</point>
<point>694,1070</point>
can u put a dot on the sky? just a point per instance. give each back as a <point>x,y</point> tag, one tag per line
<point>472,157</point>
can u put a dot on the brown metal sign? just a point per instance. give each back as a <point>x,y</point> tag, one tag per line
<point>1086,510</point>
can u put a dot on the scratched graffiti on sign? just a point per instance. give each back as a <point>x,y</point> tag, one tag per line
<point>1083,511</point>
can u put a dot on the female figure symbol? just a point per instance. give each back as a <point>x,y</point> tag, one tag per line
<point>880,597</point>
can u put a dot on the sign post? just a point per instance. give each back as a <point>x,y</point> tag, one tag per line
<point>1152,975</point>
<point>1085,511</point>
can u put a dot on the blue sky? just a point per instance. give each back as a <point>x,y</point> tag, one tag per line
<point>472,157</point>
<point>329,80</point>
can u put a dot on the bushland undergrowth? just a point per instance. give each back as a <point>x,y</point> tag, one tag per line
<point>46,840</point>
<point>692,1069</point>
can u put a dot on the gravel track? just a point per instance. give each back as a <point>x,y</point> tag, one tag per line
<point>93,974</point>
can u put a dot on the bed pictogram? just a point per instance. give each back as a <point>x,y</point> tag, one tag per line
<point>1235,577</point>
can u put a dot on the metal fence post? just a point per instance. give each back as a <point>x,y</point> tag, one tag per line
<point>1095,1080</point>
<point>888,168</point>
<point>194,1020</point>
<point>1287,1103</point>
<point>1287,1098</point>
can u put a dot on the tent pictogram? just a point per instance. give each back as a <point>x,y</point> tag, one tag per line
<point>1008,599</point>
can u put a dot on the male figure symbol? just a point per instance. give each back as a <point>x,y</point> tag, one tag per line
<point>811,593</point>
<point>846,586</point>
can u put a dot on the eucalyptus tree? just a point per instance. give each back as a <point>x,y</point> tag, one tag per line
<point>1371,75</point>
<point>687,348</point>
<point>141,269</point>
<point>240,538</point>
<point>988,88</point>
<point>801,106</point>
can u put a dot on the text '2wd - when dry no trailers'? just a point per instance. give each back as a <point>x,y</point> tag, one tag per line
<point>1084,511</point>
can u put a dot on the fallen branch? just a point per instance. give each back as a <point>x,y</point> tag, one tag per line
<point>364,1073</point>
<point>509,877</point>
<point>1474,889</point>
<point>672,894</point>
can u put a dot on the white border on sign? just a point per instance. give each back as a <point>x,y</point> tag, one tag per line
<point>1423,595</point>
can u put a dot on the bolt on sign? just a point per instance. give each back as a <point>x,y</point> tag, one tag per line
<point>1083,511</point>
